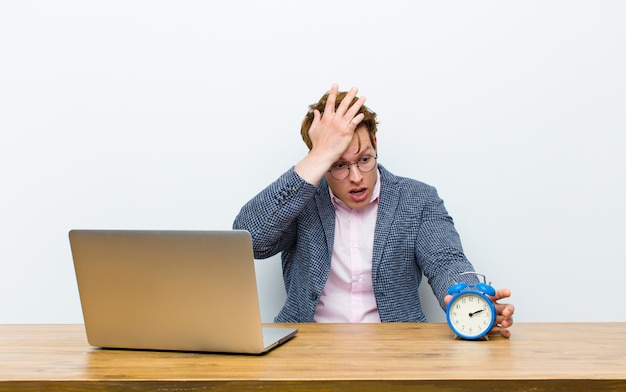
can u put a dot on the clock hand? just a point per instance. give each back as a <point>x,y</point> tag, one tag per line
<point>478,311</point>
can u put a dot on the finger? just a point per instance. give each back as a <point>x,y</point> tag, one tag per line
<point>332,97</point>
<point>316,117</point>
<point>502,293</point>
<point>507,310</point>
<point>503,321</point>
<point>347,101</point>
<point>356,121</point>
<point>500,331</point>
<point>354,109</point>
<point>447,299</point>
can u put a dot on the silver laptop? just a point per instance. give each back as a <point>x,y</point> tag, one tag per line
<point>171,290</point>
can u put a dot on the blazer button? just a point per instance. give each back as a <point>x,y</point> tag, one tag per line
<point>314,296</point>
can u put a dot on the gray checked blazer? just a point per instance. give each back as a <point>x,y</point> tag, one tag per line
<point>414,234</point>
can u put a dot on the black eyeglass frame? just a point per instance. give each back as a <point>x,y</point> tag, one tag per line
<point>347,166</point>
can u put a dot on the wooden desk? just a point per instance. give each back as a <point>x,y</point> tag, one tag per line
<point>359,357</point>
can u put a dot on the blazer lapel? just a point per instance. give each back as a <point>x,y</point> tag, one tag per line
<point>387,206</point>
<point>327,216</point>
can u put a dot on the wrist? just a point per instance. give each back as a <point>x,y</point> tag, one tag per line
<point>313,167</point>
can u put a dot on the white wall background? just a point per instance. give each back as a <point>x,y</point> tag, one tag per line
<point>172,114</point>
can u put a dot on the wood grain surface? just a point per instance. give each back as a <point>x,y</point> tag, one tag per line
<point>358,357</point>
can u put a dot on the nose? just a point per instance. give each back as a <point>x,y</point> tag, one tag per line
<point>355,175</point>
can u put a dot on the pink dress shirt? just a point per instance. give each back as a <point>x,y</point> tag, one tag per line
<point>349,294</point>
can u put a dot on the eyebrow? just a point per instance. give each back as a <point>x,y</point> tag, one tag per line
<point>359,156</point>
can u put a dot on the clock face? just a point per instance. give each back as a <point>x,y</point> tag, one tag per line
<point>471,315</point>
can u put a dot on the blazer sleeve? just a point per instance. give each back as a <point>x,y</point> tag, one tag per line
<point>438,249</point>
<point>270,216</point>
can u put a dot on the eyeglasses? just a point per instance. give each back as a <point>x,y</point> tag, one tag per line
<point>340,171</point>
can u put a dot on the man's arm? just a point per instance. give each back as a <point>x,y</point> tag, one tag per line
<point>331,134</point>
<point>270,216</point>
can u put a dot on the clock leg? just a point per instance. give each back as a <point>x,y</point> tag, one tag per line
<point>483,338</point>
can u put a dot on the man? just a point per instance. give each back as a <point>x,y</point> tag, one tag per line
<point>355,239</point>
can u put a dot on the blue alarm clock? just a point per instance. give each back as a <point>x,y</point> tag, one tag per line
<point>471,313</point>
